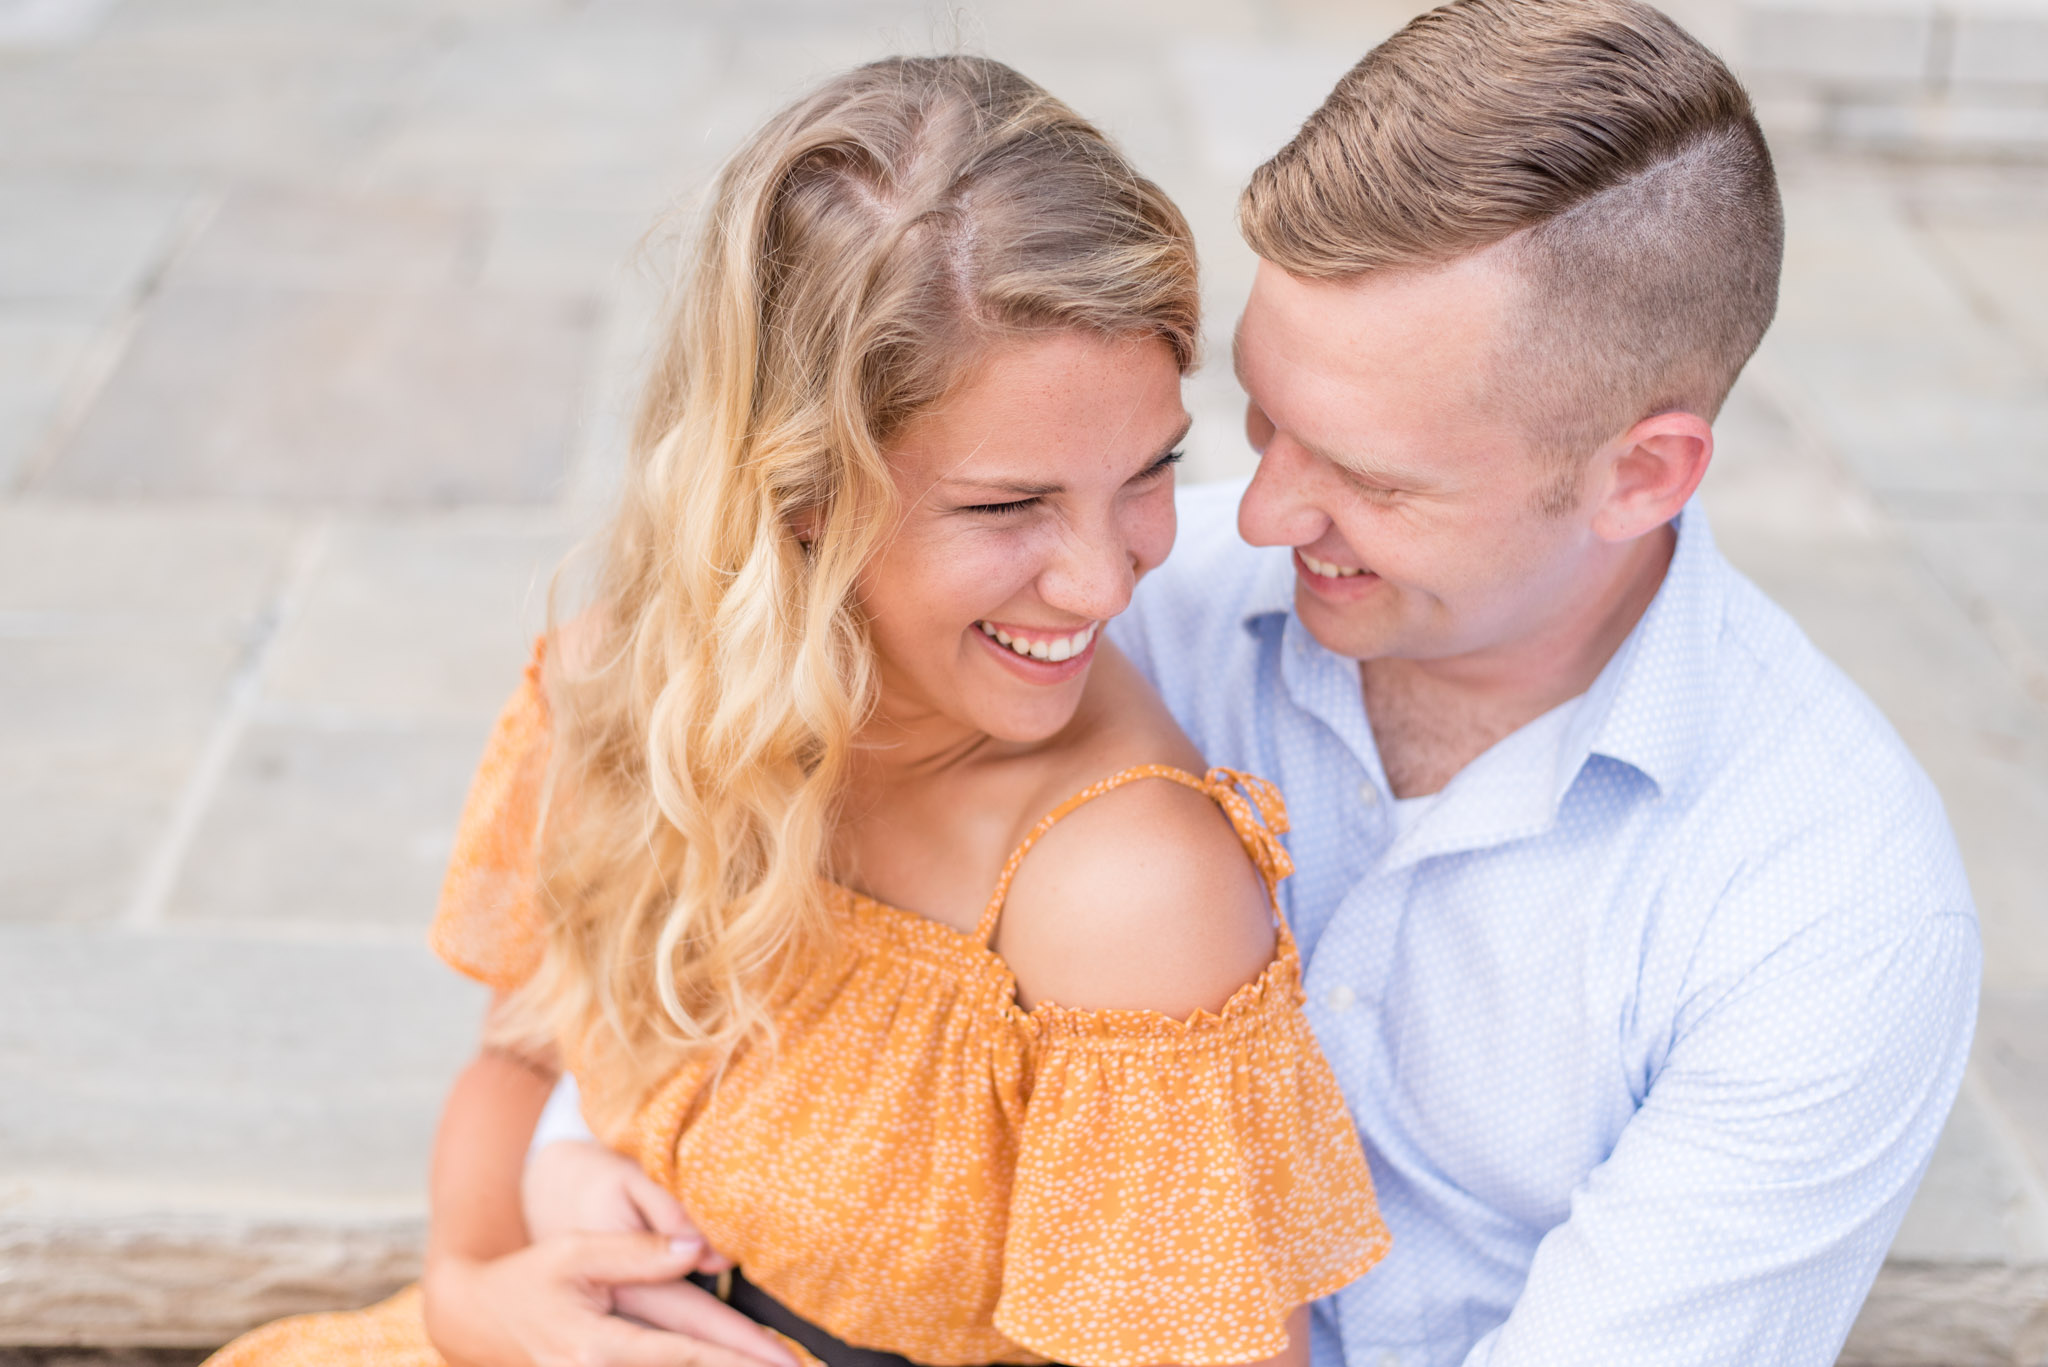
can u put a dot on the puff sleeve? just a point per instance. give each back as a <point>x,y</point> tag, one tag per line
<point>489,925</point>
<point>1182,1186</point>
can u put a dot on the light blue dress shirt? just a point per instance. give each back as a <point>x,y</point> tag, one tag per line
<point>1650,1019</point>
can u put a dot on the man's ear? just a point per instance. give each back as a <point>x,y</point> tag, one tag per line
<point>1651,470</point>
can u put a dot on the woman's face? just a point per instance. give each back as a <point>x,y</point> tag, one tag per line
<point>1030,502</point>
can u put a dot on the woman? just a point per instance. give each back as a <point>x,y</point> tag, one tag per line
<point>748,853</point>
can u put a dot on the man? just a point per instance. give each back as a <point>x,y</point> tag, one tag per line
<point>1639,943</point>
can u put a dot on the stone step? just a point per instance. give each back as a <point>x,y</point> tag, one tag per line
<point>1930,77</point>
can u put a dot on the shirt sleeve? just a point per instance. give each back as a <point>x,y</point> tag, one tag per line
<point>1745,1210</point>
<point>561,1119</point>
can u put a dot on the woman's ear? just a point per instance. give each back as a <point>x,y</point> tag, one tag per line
<point>804,526</point>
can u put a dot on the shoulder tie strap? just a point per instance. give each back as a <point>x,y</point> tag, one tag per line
<point>1259,822</point>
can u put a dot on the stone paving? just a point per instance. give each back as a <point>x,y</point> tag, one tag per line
<point>317,323</point>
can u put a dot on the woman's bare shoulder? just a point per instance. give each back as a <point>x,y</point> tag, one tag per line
<point>1143,897</point>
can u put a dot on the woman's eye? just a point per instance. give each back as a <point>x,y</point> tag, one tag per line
<point>1015,506</point>
<point>1001,509</point>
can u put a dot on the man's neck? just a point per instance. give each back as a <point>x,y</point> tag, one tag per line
<point>1431,718</point>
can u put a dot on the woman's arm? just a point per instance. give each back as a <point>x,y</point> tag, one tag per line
<point>479,1157</point>
<point>492,1299</point>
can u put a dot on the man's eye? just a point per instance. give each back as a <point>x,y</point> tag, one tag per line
<point>1001,509</point>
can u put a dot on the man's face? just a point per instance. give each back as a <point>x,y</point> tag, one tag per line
<point>1397,463</point>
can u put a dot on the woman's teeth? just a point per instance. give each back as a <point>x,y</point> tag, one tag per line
<point>1325,568</point>
<point>1053,651</point>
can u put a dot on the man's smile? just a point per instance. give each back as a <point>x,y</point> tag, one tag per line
<point>1327,580</point>
<point>1327,570</point>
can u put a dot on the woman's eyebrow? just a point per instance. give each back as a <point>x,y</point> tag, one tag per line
<point>1016,488</point>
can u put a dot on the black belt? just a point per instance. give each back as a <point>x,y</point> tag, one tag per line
<point>763,1309</point>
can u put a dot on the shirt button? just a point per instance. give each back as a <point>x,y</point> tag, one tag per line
<point>1390,1360</point>
<point>1368,794</point>
<point>1341,998</point>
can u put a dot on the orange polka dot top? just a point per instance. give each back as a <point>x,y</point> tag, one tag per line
<point>919,1166</point>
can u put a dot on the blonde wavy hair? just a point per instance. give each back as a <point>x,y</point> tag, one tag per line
<point>862,251</point>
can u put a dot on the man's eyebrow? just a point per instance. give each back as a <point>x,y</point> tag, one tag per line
<point>1187,425</point>
<point>1359,467</point>
<point>1343,462</point>
<point>1367,469</point>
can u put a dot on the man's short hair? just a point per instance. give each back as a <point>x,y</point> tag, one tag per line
<point>1620,155</point>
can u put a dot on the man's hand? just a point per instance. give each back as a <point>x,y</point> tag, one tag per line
<point>574,1186</point>
<point>578,1187</point>
<point>550,1305</point>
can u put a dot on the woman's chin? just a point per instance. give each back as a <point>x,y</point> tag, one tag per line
<point>1025,725</point>
<point>1027,720</point>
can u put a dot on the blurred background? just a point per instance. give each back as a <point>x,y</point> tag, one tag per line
<point>319,320</point>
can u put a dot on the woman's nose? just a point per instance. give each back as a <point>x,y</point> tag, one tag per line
<point>1093,576</point>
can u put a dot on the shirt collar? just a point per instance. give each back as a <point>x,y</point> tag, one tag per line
<point>1647,709</point>
<point>1272,587</point>
<point>1650,707</point>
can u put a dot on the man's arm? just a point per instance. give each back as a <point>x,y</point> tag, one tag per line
<point>1748,1204</point>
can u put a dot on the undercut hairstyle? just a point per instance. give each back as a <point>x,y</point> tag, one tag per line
<point>1615,161</point>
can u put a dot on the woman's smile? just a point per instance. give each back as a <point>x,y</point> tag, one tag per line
<point>1041,655</point>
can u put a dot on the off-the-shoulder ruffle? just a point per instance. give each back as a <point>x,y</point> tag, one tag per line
<point>1182,1186</point>
<point>919,1165</point>
<point>1278,985</point>
<point>488,924</point>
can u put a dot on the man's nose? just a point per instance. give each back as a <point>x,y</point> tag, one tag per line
<point>1279,507</point>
